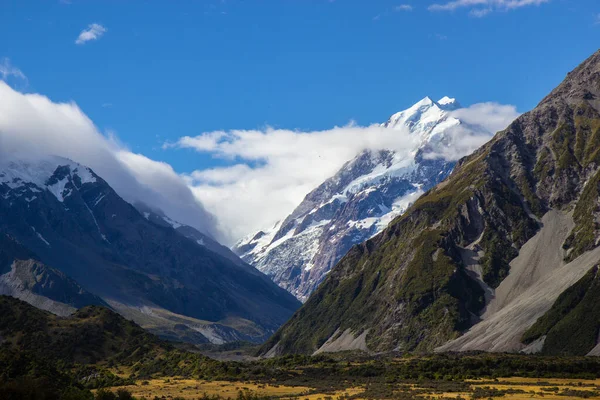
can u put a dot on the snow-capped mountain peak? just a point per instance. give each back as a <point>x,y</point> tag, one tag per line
<point>356,203</point>
<point>448,103</point>
<point>51,173</point>
<point>56,212</point>
<point>425,118</point>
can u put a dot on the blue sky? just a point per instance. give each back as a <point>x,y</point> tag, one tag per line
<point>168,69</point>
<point>161,70</point>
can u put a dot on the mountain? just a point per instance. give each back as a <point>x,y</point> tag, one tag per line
<point>59,217</point>
<point>44,356</point>
<point>159,218</point>
<point>89,335</point>
<point>358,202</point>
<point>498,257</point>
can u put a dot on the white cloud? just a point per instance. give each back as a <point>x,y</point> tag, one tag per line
<point>478,121</point>
<point>32,124</point>
<point>491,116</point>
<point>480,8</point>
<point>597,19</point>
<point>275,168</point>
<point>93,32</point>
<point>403,7</point>
<point>7,70</point>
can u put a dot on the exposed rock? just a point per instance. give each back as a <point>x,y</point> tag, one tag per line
<point>414,287</point>
<point>70,219</point>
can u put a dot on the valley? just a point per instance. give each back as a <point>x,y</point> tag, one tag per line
<point>505,388</point>
<point>97,351</point>
<point>245,200</point>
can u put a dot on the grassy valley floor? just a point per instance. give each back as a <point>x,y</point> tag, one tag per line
<point>507,388</point>
<point>96,354</point>
<point>356,376</point>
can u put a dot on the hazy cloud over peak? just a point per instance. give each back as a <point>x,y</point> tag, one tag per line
<point>33,124</point>
<point>273,169</point>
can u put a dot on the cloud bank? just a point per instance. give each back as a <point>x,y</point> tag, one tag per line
<point>93,32</point>
<point>480,8</point>
<point>273,169</point>
<point>270,173</point>
<point>33,124</point>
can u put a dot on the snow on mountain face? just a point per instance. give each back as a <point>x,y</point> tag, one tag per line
<point>55,174</point>
<point>358,202</point>
<point>61,214</point>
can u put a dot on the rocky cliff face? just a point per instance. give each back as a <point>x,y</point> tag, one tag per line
<point>70,219</point>
<point>358,201</point>
<point>474,263</point>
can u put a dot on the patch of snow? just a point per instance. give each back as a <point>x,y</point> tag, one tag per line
<point>259,245</point>
<point>174,224</point>
<point>40,237</point>
<point>18,174</point>
<point>446,100</point>
<point>96,222</point>
<point>402,168</point>
<point>84,173</point>
<point>58,189</point>
<point>100,198</point>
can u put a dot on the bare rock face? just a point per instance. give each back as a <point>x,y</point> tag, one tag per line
<point>477,255</point>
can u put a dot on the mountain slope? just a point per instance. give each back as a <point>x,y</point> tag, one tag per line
<point>358,201</point>
<point>159,218</point>
<point>44,356</point>
<point>73,221</point>
<point>90,335</point>
<point>434,273</point>
<point>22,276</point>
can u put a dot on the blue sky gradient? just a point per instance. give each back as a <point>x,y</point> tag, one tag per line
<point>163,70</point>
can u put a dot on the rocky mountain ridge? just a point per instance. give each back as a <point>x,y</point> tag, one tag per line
<point>62,217</point>
<point>480,261</point>
<point>359,201</point>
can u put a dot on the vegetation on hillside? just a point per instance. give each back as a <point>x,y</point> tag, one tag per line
<point>409,286</point>
<point>572,325</point>
<point>47,357</point>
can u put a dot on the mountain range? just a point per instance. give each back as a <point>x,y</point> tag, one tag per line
<point>360,200</point>
<point>501,256</point>
<point>69,240</point>
<point>402,250</point>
